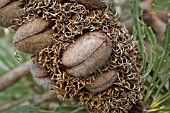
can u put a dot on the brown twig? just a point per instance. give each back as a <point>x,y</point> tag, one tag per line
<point>13,76</point>
<point>12,104</point>
<point>40,98</point>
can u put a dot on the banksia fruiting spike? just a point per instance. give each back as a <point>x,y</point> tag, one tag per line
<point>121,87</point>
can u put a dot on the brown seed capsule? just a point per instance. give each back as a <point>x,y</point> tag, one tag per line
<point>33,36</point>
<point>91,4</point>
<point>102,82</point>
<point>87,54</point>
<point>4,3</point>
<point>41,75</point>
<point>9,10</point>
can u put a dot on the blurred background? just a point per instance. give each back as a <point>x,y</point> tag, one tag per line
<point>19,93</point>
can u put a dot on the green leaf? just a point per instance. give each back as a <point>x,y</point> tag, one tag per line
<point>138,30</point>
<point>7,59</point>
<point>160,76</point>
<point>166,40</point>
<point>166,45</point>
<point>164,98</point>
<point>30,109</point>
<point>162,59</point>
<point>163,83</point>
<point>70,109</point>
<point>151,37</point>
<point>163,108</point>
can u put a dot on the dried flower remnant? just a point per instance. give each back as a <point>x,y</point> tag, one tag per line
<point>71,21</point>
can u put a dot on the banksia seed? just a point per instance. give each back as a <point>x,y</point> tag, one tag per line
<point>102,82</point>
<point>91,4</point>
<point>9,10</point>
<point>41,75</point>
<point>33,36</point>
<point>91,51</point>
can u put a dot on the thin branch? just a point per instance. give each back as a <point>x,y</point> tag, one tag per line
<point>12,104</point>
<point>10,78</point>
<point>40,98</point>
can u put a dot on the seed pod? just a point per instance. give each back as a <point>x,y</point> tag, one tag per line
<point>9,10</point>
<point>87,54</point>
<point>41,75</point>
<point>102,82</point>
<point>4,3</point>
<point>33,36</point>
<point>91,4</point>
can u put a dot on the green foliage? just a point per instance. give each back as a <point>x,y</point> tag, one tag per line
<point>152,55</point>
<point>138,29</point>
<point>160,5</point>
<point>61,109</point>
<point>155,63</point>
<point>7,57</point>
<point>29,109</point>
<point>160,79</point>
<point>69,109</point>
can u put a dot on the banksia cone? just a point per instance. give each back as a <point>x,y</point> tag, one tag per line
<point>115,84</point>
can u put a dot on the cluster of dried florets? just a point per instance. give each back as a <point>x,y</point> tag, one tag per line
<point>88,54</point>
